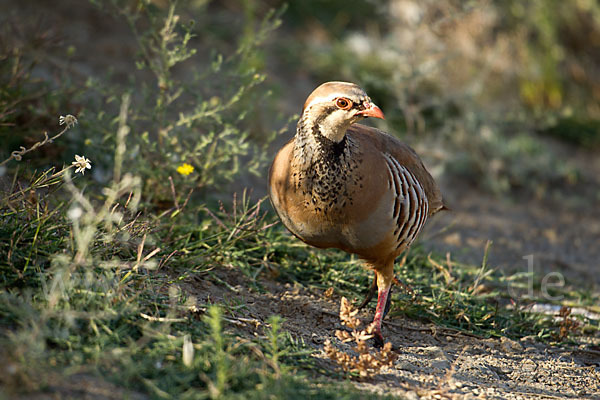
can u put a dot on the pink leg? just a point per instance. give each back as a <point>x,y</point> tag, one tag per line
<point>379,311</point>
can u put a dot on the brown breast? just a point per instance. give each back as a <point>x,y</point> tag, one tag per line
<point>386,200</point>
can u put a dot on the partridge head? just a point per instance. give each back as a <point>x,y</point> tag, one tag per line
<point>334,106</point>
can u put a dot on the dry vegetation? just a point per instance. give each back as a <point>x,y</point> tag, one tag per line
<point>366,362</point>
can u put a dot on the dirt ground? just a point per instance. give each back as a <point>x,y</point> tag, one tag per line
<point>562,233</point>
<point>433,362</point>
<point>560,239</point>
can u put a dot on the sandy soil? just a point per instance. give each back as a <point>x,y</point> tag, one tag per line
<point>433,362</point>
<point>562,236</point>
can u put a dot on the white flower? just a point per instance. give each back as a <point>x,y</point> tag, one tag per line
<point>68,119</point>
<point>75,213</point>
<point>188,351</point>
<point>81,163</point>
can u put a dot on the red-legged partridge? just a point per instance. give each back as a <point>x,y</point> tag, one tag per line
<point>344,185</point>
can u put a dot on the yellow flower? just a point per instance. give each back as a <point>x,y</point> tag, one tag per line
<point>185,169</point>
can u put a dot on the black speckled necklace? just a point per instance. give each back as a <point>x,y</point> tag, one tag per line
<point>323,169</point>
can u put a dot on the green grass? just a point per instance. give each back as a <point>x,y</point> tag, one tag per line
<point>124,317</point>
<point>477,299</point>
<point>113,301</point>
<point>105,315</point>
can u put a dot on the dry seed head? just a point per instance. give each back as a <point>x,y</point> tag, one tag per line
<point>69,120</point>
<point>348,313</point>
<point>361,336</point>
<point>343,336</point>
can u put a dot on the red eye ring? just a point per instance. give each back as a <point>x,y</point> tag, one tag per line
<point>343,103</point>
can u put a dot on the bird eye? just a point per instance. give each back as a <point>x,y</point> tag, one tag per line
<point>343,103</point>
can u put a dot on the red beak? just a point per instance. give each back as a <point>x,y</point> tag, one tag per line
<point>372,111</point>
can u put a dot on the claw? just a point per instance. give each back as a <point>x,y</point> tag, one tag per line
<point>378,338</point>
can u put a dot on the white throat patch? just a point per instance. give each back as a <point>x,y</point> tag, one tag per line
<point>335,125</point>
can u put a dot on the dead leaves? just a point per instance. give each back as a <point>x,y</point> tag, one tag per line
<point>566,325</point>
